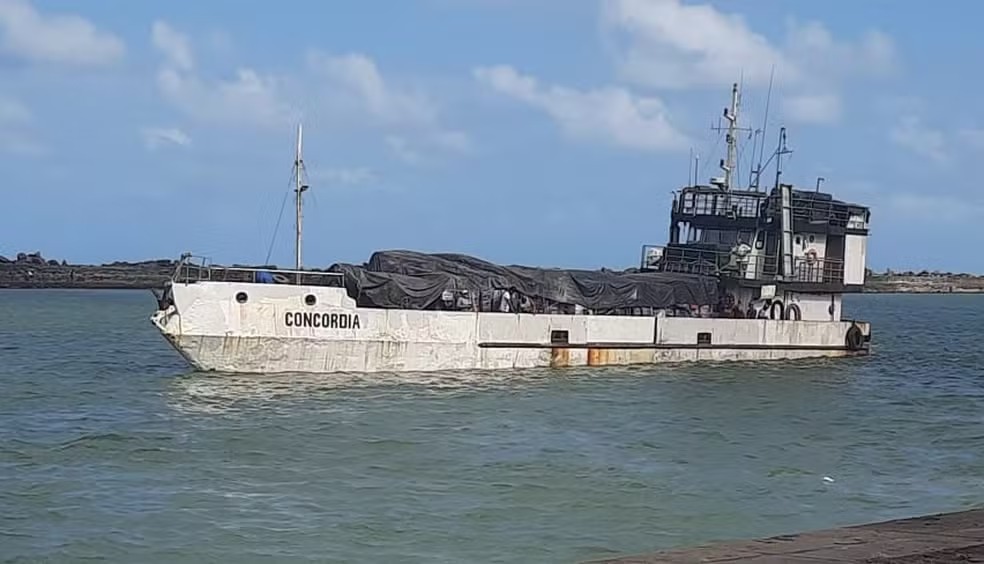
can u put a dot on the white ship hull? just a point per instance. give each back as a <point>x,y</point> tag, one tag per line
<point>276,330</point>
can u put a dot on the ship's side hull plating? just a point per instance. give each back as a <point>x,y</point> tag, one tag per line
<point>259,328</point>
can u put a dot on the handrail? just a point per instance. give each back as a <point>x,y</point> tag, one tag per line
<point>719,204</point>
<point>189,271</point>
<point>756,265</point>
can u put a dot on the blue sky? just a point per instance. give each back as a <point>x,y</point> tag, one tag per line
<point>526,131</point>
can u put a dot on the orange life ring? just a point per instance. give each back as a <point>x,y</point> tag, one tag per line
<point>811,256</point>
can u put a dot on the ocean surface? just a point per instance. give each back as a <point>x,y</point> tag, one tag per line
<point>111,449</point>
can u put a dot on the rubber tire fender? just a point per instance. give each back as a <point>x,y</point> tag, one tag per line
<point>772,310</point>
<point>790,309</point>
<point>854,339</point>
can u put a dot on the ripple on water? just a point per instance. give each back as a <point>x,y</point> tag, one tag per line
<point>108,448</point>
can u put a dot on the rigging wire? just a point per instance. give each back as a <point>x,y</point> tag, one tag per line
<point>280,216</point>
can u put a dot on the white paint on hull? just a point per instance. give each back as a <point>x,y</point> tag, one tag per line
<point>266,356</point>
<point>214,331</point>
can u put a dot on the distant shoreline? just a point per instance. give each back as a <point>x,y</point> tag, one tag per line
<point>34,272</point>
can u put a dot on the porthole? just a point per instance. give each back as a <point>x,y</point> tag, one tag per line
<point>241,297</point>
<point>812,238</point>
<point>310,299</point>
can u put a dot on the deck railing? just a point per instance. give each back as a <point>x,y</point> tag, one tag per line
<point>755,265</point>
<point>199,269</point>
<point>744,205</point>
<point>818,271</point>
<point>721,204</point>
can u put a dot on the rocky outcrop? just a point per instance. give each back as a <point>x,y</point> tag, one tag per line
<point>923,283</point>
<point>31,270</point>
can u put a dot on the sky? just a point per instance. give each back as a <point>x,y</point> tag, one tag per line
<point>546,132</point>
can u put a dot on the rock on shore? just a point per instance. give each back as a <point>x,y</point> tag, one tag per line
<point>923,283</point>
<point>31,270</point>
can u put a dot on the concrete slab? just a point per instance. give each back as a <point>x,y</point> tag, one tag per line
<point>932,539</point>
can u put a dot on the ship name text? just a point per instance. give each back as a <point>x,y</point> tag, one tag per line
<point>322,320</point>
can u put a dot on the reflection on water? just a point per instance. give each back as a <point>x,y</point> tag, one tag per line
<point>219,392</point>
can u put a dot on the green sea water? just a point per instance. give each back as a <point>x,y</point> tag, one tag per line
<point>111,450</point>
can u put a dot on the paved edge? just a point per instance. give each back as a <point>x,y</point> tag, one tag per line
<point>937,538</point>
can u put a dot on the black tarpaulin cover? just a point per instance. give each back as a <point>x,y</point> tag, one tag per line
<point>415,280</point>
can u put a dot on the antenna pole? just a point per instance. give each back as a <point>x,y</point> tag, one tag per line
<point>765,127</point>
<point>780,151</point>
<point>689,168</point>
<point>298,190</point>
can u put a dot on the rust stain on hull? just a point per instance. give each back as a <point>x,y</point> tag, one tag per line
<point>560,357</point>
<point>598,357</point>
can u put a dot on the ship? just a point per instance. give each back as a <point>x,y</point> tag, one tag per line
<point>747,274</point>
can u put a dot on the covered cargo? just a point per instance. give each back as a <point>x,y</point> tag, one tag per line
<point>416,280</point>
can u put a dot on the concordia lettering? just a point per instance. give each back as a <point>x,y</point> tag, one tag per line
<point>322,320</point>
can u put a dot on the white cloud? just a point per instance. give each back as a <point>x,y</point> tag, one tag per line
<point>249,98</point>
<point>612,115</point>
<point>932,207</point>
<point>17,137</point>
<point>175,46</point>
<point>155,137</point>
<point>451,140</point>
<point>13,112</point>
<point>358,77</point>
<point>911,134</point>
<point>818,56</point>
<point>813,108</point>
<point>403,150</point>
<point>972,137</point>
<point>334,89</point>
<point>672,45</point>
<point>427,148</point>
<point>351,86</point>
<point>345,176</point>
<point>56,38</point>
<point>20,144</point>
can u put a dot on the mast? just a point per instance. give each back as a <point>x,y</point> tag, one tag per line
<point>299,189</point>
<point>729,164</point>
<point>786,214</point>
<point>732,139</point>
